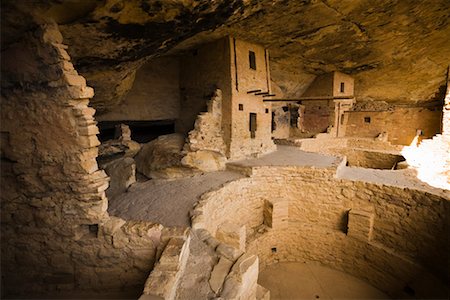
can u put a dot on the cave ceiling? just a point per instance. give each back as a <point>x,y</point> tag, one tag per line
<point>397,50</point>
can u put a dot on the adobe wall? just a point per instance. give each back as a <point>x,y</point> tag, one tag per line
<point>360,228</point>
<point>245,79</point>
<point>56,234</point>
<point>203,70</point>
<point>400,124</point>
<point>155,94</point>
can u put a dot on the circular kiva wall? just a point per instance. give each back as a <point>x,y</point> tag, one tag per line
<point>395,238</point>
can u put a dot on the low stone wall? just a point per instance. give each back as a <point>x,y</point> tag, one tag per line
<point>365,229</point>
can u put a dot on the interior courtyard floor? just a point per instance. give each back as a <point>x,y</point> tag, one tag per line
<point>297,280</point>
<point>168,201</point>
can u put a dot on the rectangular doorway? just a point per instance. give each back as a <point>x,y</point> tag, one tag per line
<point>252,125</point>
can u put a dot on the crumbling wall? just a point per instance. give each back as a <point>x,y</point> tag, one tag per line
<point>318,115</point>
<point>203,70</point>
<point>205,147</point>
<point>57,236</point>
<point>361,228</point>
<point>400,123</point>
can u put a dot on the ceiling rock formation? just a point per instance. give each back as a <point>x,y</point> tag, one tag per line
<point>397,50</point>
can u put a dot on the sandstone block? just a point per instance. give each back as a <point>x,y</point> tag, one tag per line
<point>112,225</point>
<point>159,154</point>
<point>219,273</point>
<point>228,251</point>
<point>75,80</point>
<point>122,173</point>
<point>207,161</point>
<point>232,234</point>
<point>241,283</point>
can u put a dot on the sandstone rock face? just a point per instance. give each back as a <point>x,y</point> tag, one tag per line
<point>122,174</point>
<point>160,154</point>
<point>375,42</point>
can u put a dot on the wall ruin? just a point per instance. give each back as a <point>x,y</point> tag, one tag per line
<point>400,123</point>
<point>57,236</point>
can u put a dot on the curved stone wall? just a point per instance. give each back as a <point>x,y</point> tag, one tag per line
<point>391,236</point>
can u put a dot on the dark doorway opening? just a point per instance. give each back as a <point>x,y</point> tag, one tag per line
<point>141,131</point>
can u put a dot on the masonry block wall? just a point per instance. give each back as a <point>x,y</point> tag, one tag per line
<point>56,234</point>
<point>361,228</point>
<point>248,77</point>
<point>203,70</point>
<point>401,124</point>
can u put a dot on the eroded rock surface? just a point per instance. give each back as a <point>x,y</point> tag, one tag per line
<point>396,50</point>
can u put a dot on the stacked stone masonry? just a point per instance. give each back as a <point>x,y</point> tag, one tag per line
<point>56,233</point>
<point>361,228</point>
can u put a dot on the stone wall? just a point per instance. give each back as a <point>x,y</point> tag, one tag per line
<point>203,70</point>
<point>245,79</point>
<point>401,124</point>
<point>57,237</point>
<point>318,115</point>
<point>155,94</point>
<point>364,229</point>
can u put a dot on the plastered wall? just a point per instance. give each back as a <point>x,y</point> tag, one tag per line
<point>315,225</point>
<point>400,124</point>
<point>56,234</point>
<point>155,94</point>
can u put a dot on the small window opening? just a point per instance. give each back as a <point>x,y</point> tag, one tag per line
<point>342,87</point>
<point>366,119</point>
<point>241,106</point>
<point>252,60</point>
<point>267,110</point>
<point>252,125</point>
<point>274,124</point>
<point>294,117</point>
<point>274,250</point>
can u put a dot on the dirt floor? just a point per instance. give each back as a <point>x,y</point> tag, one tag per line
<point>167,202</point>
<point>293,280</point>
<point>291,156</point>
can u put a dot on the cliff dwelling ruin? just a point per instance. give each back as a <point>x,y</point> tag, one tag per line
<point>230,149</point>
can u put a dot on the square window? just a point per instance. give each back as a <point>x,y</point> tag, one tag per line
<point>241,106</point>
<point>366,119</point>
<point>267,110</point>
<point>252,60</point>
